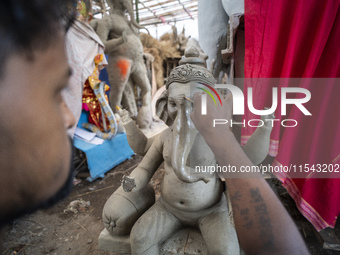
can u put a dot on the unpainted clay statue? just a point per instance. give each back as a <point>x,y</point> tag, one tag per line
<point>121,6</point>
<point>182,41</point>
<point>125,62</point>
<point>188,198</point>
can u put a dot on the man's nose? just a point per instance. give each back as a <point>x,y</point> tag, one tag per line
<point>69,120</point>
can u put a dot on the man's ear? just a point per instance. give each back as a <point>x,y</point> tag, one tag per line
<point>162,108</point>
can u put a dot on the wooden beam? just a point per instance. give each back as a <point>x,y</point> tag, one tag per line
<point>151,11</point>
<point>169,10</point>
<point>155,5</point>
<point>156,22</point>
<point>185,9</point>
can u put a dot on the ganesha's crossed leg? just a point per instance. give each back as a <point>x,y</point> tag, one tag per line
<point>153,227</point>
<point>218,233</point>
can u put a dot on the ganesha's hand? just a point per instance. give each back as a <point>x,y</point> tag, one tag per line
<point>128,183</point>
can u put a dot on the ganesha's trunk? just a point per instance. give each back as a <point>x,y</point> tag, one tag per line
<point>184,134</point>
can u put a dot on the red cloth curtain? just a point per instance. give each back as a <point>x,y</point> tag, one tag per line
<point>299,39</point>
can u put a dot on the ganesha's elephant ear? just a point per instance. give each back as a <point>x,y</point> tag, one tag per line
<point>162,108</point>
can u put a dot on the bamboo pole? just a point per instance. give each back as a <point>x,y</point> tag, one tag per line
<point>137,13</point>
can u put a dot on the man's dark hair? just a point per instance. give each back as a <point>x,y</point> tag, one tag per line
<point>27,25</point>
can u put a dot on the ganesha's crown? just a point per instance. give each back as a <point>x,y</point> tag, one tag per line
<point>192,68</point>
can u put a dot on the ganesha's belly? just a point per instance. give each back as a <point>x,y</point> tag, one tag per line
<point>190,196</point>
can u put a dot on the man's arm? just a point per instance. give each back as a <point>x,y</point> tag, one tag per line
<point>262,224</point>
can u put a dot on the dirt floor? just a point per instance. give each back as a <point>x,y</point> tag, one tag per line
<point>57,231</point>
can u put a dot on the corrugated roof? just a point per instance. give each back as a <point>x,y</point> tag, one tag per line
<point>154,12</point>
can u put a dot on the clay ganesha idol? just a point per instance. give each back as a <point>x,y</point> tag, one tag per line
<point>189,199</point>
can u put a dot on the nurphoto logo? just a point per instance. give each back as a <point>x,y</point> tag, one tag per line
<point>238,104</point>
<point>204,98</point>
